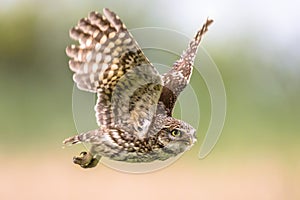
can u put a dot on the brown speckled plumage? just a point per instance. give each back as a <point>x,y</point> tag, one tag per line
<point>134,103</point>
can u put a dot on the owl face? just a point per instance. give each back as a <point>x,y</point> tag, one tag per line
<point>177,136</point>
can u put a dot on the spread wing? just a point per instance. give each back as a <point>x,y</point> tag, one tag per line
<point>109,62</point>
<point>179,76</point>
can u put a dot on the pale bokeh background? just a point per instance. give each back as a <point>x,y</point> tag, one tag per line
<point>256,47</point>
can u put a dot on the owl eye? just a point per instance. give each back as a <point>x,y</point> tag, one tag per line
<point>176,133</point>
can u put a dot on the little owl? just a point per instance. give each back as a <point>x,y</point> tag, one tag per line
<point>135,103</point>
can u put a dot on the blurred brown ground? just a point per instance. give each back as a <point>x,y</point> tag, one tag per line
<point>52,176</point>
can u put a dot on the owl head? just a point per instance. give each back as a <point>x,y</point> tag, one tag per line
<point>177,136</point>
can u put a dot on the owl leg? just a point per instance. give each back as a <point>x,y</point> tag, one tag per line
<point>86,160</point>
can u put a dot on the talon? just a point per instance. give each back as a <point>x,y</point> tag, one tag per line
<point>77,160</point>
<point>83,153</point>
<point>92,164</point>
<point>85,160</point>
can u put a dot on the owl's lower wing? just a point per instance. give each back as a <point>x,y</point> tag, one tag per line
<point>134,99</point>
<point>179,76</point>
<point>109,62</point>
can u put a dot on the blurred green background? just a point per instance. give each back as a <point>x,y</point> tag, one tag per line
<point>256,47</point>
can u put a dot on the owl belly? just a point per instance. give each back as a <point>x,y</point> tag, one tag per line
<point>137,157</point>
<point>132,151</point>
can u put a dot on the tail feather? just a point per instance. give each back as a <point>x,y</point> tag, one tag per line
<point>72,140</point>
<point>88,137</point>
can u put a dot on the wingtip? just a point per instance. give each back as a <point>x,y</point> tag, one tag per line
<point>106,11</point>
<point>209,21</point>
<point>207,24</point>
<point>204,29</point>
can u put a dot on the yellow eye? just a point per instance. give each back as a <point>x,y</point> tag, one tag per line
<point>176,133</point>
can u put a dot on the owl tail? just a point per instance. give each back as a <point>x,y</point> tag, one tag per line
<point>72,140</point>
<point>83,137</point>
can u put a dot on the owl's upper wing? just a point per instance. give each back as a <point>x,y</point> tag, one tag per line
<point>179,76</point>
<point>109,62</point>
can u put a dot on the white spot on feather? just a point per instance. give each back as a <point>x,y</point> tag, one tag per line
<point>118,42</point>
<point>98,57</point>
<point>127,41</point>
<point>86,68</point>
<point>106,50</point>
<point>95,67</point>
<point>103,39</point>
<point>98,46</point>
<point>111,35</point>
<point>89,56</point>
<point>121,35</point>
<point>107,59</point>
<point>114,66</point>
<point>110,74</point>
<point>89,42</point>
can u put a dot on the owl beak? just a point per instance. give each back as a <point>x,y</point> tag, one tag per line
<point>191,141</point>
<point>193,138</point>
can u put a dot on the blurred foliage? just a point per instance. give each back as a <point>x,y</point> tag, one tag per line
<point>262,89</point>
